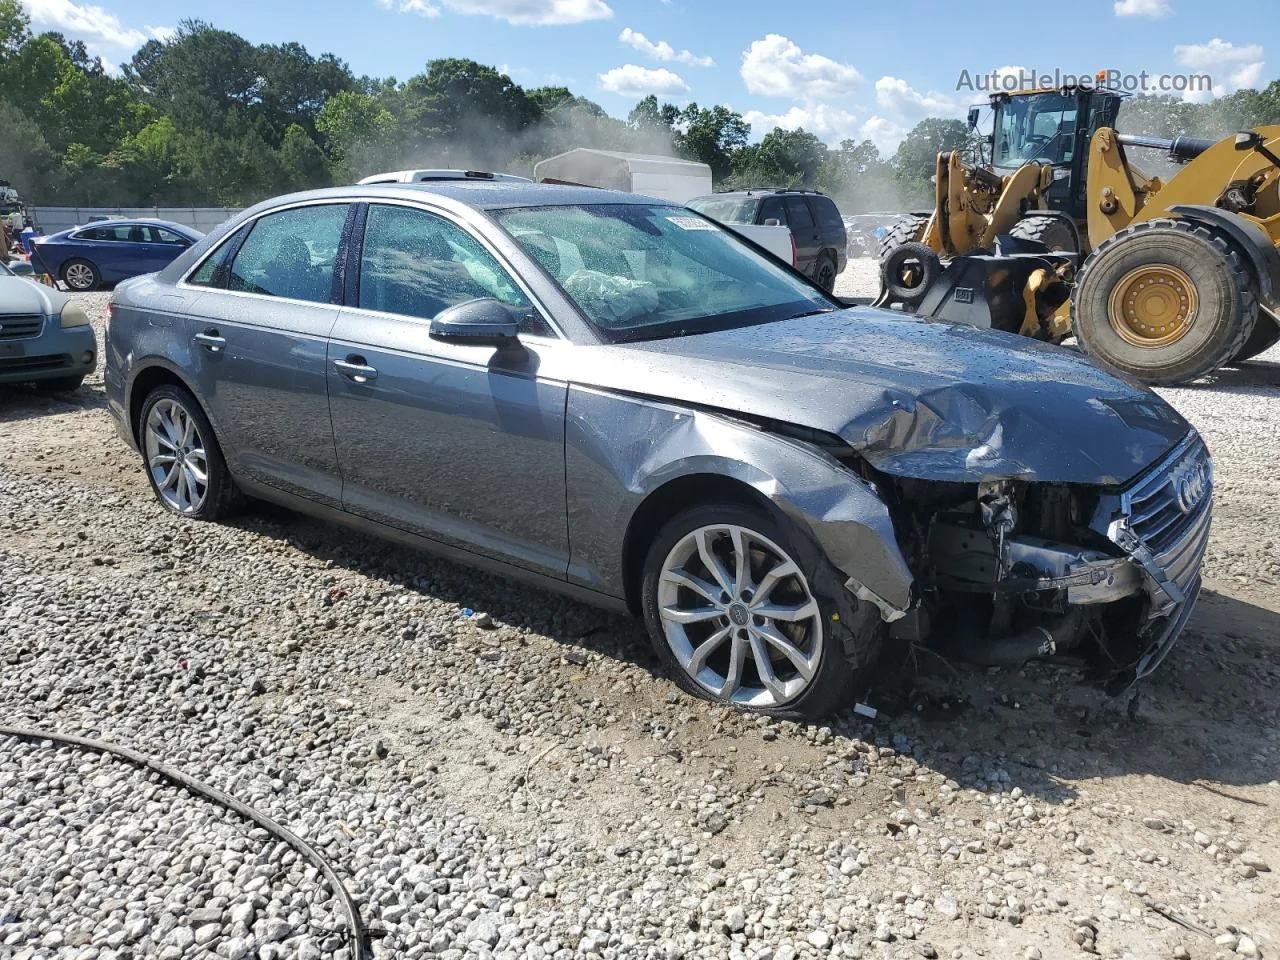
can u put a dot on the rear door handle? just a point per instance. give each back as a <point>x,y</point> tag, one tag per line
<point>354,368</point>
<point>211,341</point>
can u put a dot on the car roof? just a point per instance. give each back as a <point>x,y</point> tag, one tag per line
<point>477,194</point>
<point>415,176</point>
<point>763,192</point>
<point>136,222</point>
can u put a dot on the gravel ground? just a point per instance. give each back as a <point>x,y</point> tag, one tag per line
<point>522,783</point>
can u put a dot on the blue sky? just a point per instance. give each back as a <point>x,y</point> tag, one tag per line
<point>840,68</point>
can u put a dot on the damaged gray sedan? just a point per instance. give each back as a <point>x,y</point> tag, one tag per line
<point>618,399</point>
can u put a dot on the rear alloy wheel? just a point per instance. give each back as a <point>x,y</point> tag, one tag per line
<point>1166,301</point>
<point>80,275</point>
<point>734,614</point>
<point>183,460</point>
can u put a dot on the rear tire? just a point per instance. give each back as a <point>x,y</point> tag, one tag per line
<point>1165,301</point>
<point>81,276</point>
<point>183,461</point>
<point>817,641</point>
<point>1051,231</point>
<point>1266,334</point>
<point>824,275</point>
<point>908,229</point>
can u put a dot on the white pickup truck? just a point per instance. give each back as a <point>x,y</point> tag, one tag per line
<point>771,235</point>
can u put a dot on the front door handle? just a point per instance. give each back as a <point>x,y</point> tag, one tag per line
<point>211,341</point>
<point>354,368</point>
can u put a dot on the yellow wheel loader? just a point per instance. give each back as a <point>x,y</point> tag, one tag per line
<point>1062,234</point>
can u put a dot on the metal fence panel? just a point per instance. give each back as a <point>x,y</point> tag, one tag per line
<point>204,219</point>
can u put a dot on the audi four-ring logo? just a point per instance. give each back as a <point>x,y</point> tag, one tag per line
<point>1191,486</point>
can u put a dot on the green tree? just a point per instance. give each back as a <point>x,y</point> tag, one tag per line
<point>14,24</point>
<point>917,156</point>
<point>712,135</point>
<point>302,161</point>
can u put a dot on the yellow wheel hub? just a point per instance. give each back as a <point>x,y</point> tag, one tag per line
<point>1153,306</point>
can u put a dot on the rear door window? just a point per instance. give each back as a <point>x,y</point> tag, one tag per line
<point>213,272</point>
<point>772,209</point>
<point>798,215</point>
<point>291,254</point>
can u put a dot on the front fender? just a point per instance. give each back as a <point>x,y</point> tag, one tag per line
<point>621,449</point>
<point>1250,239</point>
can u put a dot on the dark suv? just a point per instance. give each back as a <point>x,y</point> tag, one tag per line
<point>821,242</point>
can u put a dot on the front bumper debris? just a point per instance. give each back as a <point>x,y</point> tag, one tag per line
<point>1163,520</point>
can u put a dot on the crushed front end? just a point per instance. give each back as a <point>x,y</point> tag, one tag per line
<point>1008,570</point>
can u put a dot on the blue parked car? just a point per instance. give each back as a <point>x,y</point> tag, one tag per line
<point>85,258</point>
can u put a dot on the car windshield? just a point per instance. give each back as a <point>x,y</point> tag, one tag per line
<point>727,209</point>
<point>641,271</point>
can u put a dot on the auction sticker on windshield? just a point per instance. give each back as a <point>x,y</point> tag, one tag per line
<point>691,223</point>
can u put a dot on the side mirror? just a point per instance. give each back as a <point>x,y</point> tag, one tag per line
<point>1248,140</point>
<point>481,322</point>
<point>974,115</point>
<point>773,222</point>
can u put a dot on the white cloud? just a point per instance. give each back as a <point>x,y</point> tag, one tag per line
<point>777,67</point>
<point>885,133</point>
<point>1148,9</point>
<point>831,124</point>
<point>1215,53</point>
<point>899,98</point>
<point>661,50</point>
<point>419,7</point>
<point>1231,67</point>
<point>630,80</point>
<point>89,23</point>
<point>163,34</point>
<point>524,13</point>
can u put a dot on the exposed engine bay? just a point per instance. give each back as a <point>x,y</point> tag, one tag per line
<point>1010,570</point>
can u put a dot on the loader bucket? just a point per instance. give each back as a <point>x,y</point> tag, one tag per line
<point>988,290</point>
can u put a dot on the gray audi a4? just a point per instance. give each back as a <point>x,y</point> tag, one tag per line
<point>618,399</point>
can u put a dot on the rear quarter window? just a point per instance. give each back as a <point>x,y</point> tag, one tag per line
<point>827,214</point>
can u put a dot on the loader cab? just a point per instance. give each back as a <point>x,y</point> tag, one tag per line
<point>1052,127</point>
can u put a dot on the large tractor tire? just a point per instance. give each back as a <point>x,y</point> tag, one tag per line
<point>1266,334</point>
<point>1051,231</point>
<point>1165,301</point>
<point>908,229</point>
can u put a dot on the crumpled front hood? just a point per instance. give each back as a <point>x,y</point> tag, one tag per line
<point>916,398</point>
<point>22,296</point>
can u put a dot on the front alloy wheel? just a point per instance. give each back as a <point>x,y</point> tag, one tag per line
<point>739,617</point>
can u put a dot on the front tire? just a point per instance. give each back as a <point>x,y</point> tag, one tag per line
<point>740,611</point>
<point>1165,301</point>
<point>81,276</point>
<point>184,463</point>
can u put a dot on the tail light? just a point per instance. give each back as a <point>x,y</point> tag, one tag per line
<point>111,309</point>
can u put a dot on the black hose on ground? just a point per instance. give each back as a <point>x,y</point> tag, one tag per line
<point>359,938</point>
